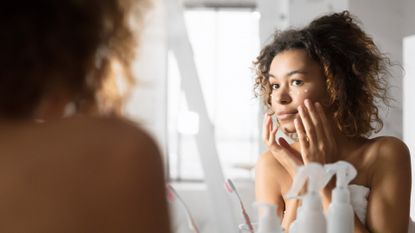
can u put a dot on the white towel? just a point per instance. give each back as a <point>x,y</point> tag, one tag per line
<point>358,198</point>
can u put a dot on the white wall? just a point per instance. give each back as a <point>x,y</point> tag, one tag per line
<point>148,103</point>
<point>302,12</point>
<point>408,7</point>
<point>408,104</point>
<point>385,25</point>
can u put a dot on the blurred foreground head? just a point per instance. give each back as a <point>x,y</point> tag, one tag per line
<point>78,50</point>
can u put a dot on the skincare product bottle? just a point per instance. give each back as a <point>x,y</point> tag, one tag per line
<point>268,221</point>
<point>310,217</point>
<point>340,215</point>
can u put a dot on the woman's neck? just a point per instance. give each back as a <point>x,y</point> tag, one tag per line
<point>346,145</point>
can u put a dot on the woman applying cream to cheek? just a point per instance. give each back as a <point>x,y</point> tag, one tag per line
<point>322,83</point>
<point>294,78</point>
<point>297,81</point>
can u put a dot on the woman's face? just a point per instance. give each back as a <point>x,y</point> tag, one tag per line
<point>294,77</point>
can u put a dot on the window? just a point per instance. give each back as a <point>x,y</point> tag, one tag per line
<point>225,42</point>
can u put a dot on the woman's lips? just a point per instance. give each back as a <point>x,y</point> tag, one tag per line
<point>286,115</point>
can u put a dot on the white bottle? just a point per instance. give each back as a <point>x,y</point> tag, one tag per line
<point>310,216</point>
<point>340,215</point>
<point>268,221</point>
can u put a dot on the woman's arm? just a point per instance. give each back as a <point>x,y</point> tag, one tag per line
<point>268,176</point>
<point>290,214</point>
<point>389,200</point>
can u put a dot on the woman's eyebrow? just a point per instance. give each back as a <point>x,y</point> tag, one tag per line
<point>287,75</point>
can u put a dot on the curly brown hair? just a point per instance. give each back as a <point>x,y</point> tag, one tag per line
<point>354,68</point>
<point>69,44</point>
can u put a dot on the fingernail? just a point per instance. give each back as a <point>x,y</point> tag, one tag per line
<point>307,103</point>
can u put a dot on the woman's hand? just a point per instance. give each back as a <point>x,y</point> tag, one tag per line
<point>315,135</point>
<point>282,151</point>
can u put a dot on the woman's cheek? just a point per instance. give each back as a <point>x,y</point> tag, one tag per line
<point>309,93</point>
<point>300,95</point>
<point>272,101</point>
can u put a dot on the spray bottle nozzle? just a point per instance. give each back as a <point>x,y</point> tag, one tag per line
<point>340,212</point>
<point>344,171</point>
<point>316,176</point>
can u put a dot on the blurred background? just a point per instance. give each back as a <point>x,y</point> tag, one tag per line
<point>195,90</point>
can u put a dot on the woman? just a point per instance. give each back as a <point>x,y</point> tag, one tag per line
<point>89,172</point>
<point>322,83</point>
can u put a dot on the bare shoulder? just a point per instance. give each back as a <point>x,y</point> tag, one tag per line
<point>88,139</point>
<point>85,140</point>
<point>106,170</point>
<point>108,132</point>
<point>265,160</point>
<point>112,127</point>
<point>390,149</point>
<point>390,184</point>
<point>133,159</point>
<point>268,164</point>
<point>392,158</point>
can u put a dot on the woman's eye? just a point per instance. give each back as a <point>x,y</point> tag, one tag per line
<point>296,82</point>
<point>275,86</point>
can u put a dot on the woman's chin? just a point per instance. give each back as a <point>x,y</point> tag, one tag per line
<point>288,129</point>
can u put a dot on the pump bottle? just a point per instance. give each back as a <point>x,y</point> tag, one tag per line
<point>340,215</point>
<point>268,221</point>
<point>310,217</point>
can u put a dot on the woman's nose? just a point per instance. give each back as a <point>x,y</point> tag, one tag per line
<point>282,95</point>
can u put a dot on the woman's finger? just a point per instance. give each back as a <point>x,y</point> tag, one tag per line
<point>269,130</point>
<point>316,121</point>
<point>272,134</point>
<point>308,125</point>
<point>326,129</point>
<point>265,128</point>
<point>294,155</point>
<point>270,125</point>
<point>302,137</point>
